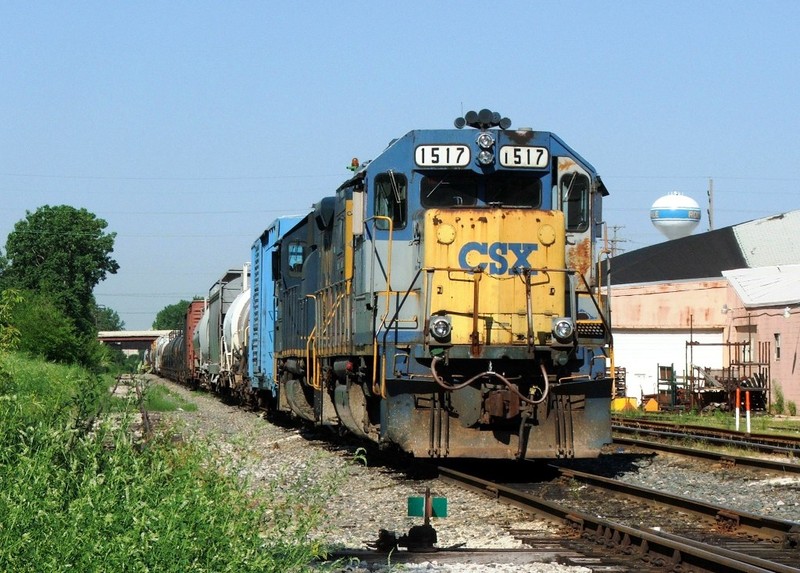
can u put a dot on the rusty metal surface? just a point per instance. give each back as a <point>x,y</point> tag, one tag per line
<point>580,256</point>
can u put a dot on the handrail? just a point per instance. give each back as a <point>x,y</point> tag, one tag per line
<point>382,388</point>
<point>311,353</point>
<point>311,358</point>
<point>388,276</point>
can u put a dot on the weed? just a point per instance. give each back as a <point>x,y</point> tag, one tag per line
<point>77,495</point>
<point>360,456</point>
<point>159,398</point>
<point>778,404</point>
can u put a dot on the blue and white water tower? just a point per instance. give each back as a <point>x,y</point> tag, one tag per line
<point>675,215</point>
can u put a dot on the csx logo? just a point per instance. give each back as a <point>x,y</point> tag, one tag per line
<point>496,256</point>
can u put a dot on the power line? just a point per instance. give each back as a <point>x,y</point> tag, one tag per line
<point>166,178</point>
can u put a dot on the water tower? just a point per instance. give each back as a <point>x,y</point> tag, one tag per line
<point>675,215</point>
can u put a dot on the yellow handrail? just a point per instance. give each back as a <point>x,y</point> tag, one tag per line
<point>311,360</point>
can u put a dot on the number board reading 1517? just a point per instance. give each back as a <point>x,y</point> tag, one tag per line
<point>442,155</point>
<point>518,156</point>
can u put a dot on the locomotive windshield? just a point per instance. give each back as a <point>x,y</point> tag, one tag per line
<point>453,189</point>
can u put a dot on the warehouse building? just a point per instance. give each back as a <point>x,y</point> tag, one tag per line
<point>697,316</point>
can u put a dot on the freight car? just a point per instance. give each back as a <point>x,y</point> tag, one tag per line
<point>217,338</point>
<point>444,300</point>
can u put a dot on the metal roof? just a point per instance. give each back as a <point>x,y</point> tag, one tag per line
<point>770,241</point>
<point>766,286</point>
<point>704,255</point>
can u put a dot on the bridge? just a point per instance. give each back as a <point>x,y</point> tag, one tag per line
<point>130,341</point>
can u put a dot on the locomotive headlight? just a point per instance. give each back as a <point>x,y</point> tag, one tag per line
<point>440,327</point>
<point>485,140</point>
<point>563,329</point>
<point>485,157</point>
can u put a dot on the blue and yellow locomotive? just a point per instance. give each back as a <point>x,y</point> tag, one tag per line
<point>445,299</point>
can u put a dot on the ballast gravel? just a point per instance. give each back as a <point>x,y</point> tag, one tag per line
<point>372,499</point>
<point>747,490</point>
<point>375,498</point>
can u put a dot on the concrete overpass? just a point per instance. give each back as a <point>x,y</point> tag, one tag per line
<point>130,341</point>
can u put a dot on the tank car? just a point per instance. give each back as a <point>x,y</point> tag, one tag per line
<point>172,358</point>
<point>235,330</point>
<point>158,353</point>
<point>445,299</point>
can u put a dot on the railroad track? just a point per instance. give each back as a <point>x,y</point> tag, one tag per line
<point>601,543</point>
<point>786,467</point>
<point>766,443</point>
<point>752,543</point>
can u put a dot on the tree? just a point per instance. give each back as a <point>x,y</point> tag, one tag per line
<point>107,318</point>
<point>9,333</point>
<point>46,331</point>
<point>171,317</point>
<point>63,253</point>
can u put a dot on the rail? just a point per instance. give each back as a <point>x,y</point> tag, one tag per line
<point>648,545</point>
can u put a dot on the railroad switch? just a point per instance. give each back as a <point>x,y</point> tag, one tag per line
<point>420,538</point>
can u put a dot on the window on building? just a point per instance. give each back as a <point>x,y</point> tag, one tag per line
<point>777,345</point>
<point>391,200</point>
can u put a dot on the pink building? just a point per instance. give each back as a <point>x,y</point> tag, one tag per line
<point>721,307</point>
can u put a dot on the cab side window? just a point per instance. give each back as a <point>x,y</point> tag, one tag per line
<point>575,201</point>
<point>296,257</point>
<point>391,200</point>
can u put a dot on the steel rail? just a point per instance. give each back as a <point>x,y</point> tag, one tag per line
<point>649,545</point>
<point>767,528</point>
<point>765,442</point>
<point>759,463</point>
<point>741,442</point>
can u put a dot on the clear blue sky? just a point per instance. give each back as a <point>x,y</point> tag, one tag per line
<point>189,126</point>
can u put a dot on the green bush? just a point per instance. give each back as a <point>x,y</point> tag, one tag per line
<point>81,495</point>
<point>791,408</point>
<point>778,403</point>
<point>45,330</point>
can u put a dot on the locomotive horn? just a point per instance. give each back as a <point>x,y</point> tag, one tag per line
<point>483,119</point>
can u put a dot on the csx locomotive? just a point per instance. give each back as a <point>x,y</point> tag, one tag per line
<point>444,300</point>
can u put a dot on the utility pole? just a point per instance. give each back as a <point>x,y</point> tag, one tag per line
<point>614,241</point>
<point>710,204</point>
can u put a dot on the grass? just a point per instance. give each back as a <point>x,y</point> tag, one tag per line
<point>159,398</point>
<point>78,494</point>
<point>759,422</point>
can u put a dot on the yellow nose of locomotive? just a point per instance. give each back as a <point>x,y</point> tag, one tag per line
<point>508,262</point>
